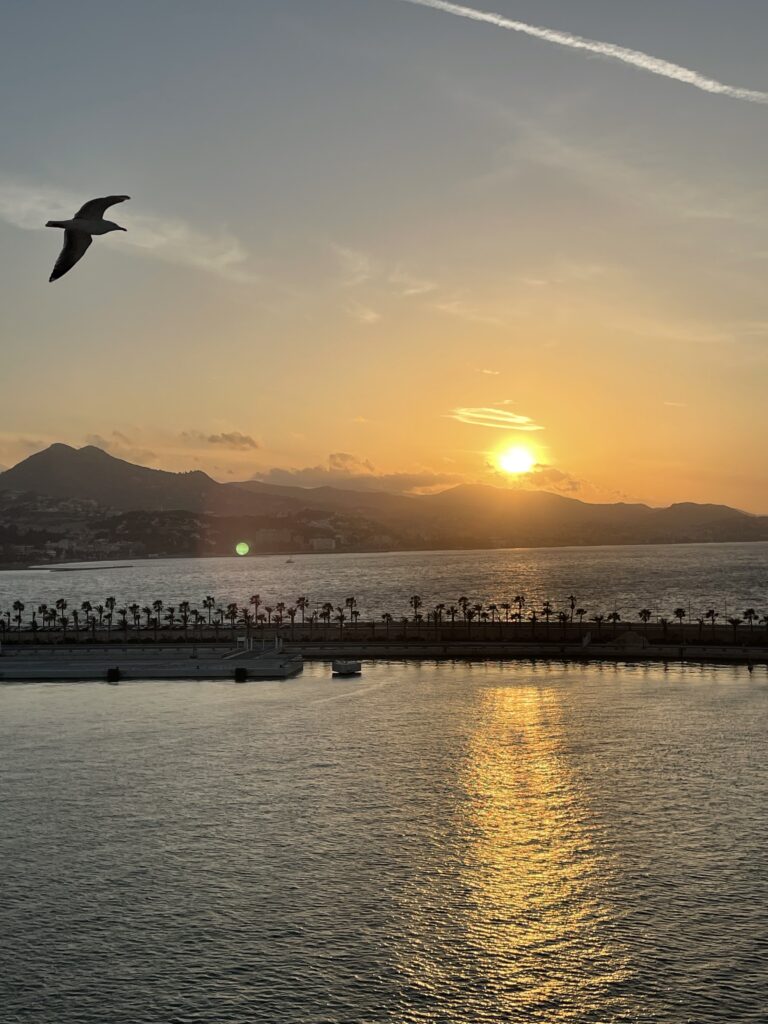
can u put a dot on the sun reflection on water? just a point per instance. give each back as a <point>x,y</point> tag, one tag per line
<point>532,934</point>
<point>535,873</point>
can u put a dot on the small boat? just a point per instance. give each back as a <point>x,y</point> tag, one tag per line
<point>343,667</point>
<point>289,561</point>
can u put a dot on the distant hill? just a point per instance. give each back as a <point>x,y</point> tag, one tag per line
<point>471,516</point>
<point>91,474</point>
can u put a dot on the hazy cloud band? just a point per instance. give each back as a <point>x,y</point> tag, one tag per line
<point>636,58</point>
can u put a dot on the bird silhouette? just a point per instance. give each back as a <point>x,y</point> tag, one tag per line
<point>79,232</point>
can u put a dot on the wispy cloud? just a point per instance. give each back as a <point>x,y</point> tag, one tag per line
<point>363,314</point>
<point>172,240</point>
<point>408,285</point>
<point>465,311</point>
<point>349,472</point>
<point>356,267</point>
<point>635,58</point>
<point>499,419</point>
<point>232,440</point>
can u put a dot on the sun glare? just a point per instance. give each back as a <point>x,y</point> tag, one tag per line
<point>516,460</point>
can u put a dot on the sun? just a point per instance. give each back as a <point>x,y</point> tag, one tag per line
<point>515,460</point>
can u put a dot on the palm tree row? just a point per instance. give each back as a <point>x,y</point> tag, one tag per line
<point>185,617</point>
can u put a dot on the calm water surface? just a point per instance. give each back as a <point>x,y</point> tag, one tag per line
<point>729,577</point>
<point>447,843</point>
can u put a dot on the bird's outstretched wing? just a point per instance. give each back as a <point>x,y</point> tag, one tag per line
<point>75,246</point>
<point>94,208</point>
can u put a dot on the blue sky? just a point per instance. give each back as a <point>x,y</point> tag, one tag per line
<point>350,218</point>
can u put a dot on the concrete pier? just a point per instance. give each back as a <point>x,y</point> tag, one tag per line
<point>116,663</point>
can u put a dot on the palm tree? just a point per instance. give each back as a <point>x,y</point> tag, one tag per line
<point>291,613</point>
<point>76,622</point>
<point>519,600</point>
<point>493,610</point>
<point>563,618</point>
<point>679,614</point>
<point>170,615</point>
<point>110,603</point>
<point>86,608</point>
<point>713,616</point>
<point>232,610</point>
<point>470,613</point>
<point>580,613</point>
<point>453,611</point>
<point>571,605</point>
<point>43,612</point>
<point>645,617</point>
<point>18,607</point>
<point>340,618</point>
<point>302,603</point>
<point>735,622</point>
<point>547,611</point>
<point>100,613</point>
<point>157,607</point>
<point>146,611</point>
<point>135,611</point>
<point>506,607</point>
<point>245,620</point>
<point>123,613</point>
<point>209,603</point>
<point>533,618</point>
<point>197,623</point>
<point>615,618</point>
<point>598,621</point>
<point>350,604</point>
<point>415,602</point>
<point>255,600</point>
<point>386,618</point>
<point>751,616</point>
<point>184,615</point>
<point>463,603</point>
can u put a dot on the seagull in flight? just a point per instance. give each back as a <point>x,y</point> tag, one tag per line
<point>78,232</point>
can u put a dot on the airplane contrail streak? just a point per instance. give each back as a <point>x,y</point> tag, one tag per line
<point>636,58</point>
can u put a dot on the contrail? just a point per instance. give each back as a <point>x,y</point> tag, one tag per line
<point>636,58</point>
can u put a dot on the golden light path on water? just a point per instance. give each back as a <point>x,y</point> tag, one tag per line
<point>534,934</point>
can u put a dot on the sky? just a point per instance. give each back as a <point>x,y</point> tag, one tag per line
<point>377,243</point>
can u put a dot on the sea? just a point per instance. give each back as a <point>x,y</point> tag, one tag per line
<point>727,577</point>
<point>428,844</point>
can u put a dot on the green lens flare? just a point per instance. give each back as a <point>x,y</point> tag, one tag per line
<point>243,549</point>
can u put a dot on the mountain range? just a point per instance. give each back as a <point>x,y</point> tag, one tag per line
<point>470,516</point>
